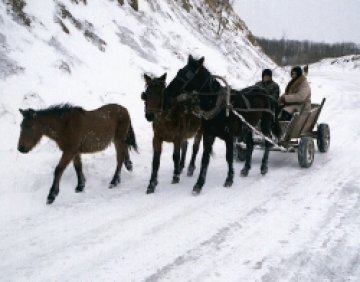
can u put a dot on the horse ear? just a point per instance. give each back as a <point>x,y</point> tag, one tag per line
<point>163,77</point>
<point>147,79</point>
<point>201,61</point>
<point>32,113</point>
<point>190,59</point>
<point>29,113</point>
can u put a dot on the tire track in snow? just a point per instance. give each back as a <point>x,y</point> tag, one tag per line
<point>222,243</point>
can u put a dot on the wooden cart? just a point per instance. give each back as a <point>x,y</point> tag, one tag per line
<point>298,136</point>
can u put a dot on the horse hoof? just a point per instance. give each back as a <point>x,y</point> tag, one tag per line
<point>264,170</point>
<point>50,200</point>
<point>128,166</point>
<point>79,189</point>
<point>150,190</point>
<point>197,189</point>
<point>190,171</point>
<point>176,179</point>
<point>195,193</point>
<point>244,172</point>
<point>228,183</point>
<point>114,183</point>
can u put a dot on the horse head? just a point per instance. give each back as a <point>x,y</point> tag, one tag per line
<point>194,76</point>
<point>187,78</point>
<point>31,131</point>
<point>154,95</point>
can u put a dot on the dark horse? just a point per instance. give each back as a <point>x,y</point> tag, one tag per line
<point>172,122</point>
<point>195,77</point>
<point>77,131</point>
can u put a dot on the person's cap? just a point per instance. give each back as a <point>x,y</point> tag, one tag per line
<point>297,70</point>
<point>267,72</point>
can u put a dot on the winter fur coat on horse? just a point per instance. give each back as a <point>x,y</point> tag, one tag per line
<point>297,94</point>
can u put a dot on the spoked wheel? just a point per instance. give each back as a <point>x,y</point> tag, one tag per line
<point>323,137</point>
<point>306,152</point>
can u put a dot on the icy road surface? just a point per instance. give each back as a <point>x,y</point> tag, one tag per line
<point>291,225</point>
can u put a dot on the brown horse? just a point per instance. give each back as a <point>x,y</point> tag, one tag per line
<point>172,122</point>
<point>77,131</point>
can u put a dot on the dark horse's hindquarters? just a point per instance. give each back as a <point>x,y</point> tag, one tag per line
<point>77,131</point>
<point>172,122</point>
<point>195,77</point>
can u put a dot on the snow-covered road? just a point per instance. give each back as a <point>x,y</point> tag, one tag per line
<point>292,225</point>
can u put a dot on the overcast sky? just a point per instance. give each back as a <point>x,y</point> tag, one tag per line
<point>316,20</point>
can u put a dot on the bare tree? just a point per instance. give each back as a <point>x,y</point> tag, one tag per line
<point>293,52</point>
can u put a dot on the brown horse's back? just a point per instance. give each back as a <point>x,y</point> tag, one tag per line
<point>102,126</point>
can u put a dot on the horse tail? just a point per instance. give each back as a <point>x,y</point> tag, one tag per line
<point>131,140</point>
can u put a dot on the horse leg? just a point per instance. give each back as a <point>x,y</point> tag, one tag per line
<point>196,146</point>
<point>230,160</point>
<point>248,153</point>
<point>264,162</point>
<point>184,146</point>
<point>208,141</point>
<point>120,149</point>
<point>176,159</point>
<point>79,173</point>
<point>127,161</point>
<point>66,158</point>
<point>266,129</point>
<point>157,147</point>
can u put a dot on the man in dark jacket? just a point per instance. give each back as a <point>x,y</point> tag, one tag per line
<point>271,86</point>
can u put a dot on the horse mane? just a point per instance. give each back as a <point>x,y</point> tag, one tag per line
<point>60,109</point>
<point>214,83</point>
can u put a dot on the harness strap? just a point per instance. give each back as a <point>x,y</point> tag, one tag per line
<point>253,129</point>
<point>246,101</point>
<point>254,110</point>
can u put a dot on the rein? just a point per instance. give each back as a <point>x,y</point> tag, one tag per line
<point>221,103</point>
<point>156,110</point>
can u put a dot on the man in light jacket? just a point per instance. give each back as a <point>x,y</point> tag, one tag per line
<point>297,94</point>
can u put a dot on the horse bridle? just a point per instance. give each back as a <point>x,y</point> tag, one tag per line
<point>221,99</point>
<point>188,77</point>
<point>155,110</point>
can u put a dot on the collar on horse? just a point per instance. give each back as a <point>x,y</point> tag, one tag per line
<point>193,96</point>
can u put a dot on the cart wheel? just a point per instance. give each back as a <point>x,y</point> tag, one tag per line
<point>306,152</point>
<point>323,137</point>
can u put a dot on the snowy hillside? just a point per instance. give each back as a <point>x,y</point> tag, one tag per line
<point>292,225</point>
<point>346,63</point>
<point>93,52</point>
